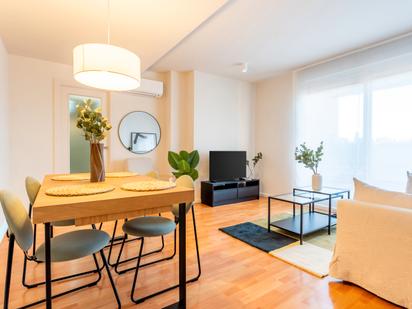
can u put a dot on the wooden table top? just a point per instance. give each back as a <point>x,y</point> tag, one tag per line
<point>117,204</point>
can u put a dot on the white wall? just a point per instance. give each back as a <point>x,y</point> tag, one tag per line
<point>181,91</point>
<point>124,103</point>
<point>31,121</point>
<point>275,133</point>
<point>223,117</point>
<point>4,129</point>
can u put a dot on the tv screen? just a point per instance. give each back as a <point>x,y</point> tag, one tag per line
<point>227,165</point>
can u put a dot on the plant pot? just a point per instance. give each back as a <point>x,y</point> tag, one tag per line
<point>317,182</point>
<point>97,173</point>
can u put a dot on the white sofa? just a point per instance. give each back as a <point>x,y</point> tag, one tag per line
<point>374,244</point>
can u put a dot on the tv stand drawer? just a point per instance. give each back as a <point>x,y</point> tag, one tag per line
<point>223,195</point>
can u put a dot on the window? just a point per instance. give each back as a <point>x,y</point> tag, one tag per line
<point>360,105</point>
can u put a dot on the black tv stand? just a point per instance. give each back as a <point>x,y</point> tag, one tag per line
<point>216,193</point>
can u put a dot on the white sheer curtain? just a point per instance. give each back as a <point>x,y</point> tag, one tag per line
<point>360,105</point>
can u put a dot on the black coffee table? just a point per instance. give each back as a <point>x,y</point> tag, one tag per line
<point>311,221</point>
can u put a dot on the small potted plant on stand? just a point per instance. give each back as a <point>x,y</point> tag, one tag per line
<point>95,128</point>
<point>311,159</point>
<point>255,160</point>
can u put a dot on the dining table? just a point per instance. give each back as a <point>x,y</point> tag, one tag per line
<point>114,205</point>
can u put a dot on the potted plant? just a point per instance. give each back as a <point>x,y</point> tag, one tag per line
<point>95,128</point>
<point>311,159</point>
<point>255,161</point>
<point>184,163</point>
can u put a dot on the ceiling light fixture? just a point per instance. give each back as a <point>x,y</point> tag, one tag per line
<point>106,66</point>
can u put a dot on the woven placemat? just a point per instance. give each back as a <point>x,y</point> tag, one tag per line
<point>150,185</point>
<point>72,177</point>
<point>120,174</point>
<point>79,190</point>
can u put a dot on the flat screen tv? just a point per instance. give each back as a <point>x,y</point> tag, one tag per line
<point>227,165</point>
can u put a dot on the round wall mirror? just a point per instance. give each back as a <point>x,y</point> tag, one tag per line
<point>139,132</point>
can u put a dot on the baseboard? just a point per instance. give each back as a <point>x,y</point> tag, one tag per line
<point>264,194</point>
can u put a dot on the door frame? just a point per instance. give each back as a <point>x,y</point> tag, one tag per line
<point>61,121</point>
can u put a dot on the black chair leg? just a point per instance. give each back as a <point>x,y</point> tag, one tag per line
<point>34,238</point>
<point>111,279</point>
<point>8,272</point>
<point>71,290</point>
<point>199,270</point>
<point>34,230</point>
<point>33,285</point>
<point>140,300</point>
<point>118,262</point>
<point>135,274</point>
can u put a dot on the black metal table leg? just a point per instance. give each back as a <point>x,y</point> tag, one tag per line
<point>182,255</point>
<point>8,272</point>
<point>294,210</point>
<point>182,259</point>
<point>269,214</point>
<point>301,224</point>
<point>329,214</point>
<point>47,265</point>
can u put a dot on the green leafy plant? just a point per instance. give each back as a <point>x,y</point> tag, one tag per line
<point>92,122</point>
<point>255,161</point>
<point>184,163</point>
<point>308,157</point>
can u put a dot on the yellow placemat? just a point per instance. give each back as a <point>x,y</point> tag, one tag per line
<point>120,174</point>
<point>78,190</point>
<point>72,177</point>
<point>150,185</point>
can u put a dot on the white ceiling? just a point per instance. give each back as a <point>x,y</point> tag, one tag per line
<point>278,35</point>
<point>49,29</point>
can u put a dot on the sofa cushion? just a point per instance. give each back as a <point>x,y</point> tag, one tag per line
<point>371,194</point>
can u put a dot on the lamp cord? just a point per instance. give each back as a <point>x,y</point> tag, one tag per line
<point>108,22</point>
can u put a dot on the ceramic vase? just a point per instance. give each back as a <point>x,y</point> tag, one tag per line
<point>317,182</point>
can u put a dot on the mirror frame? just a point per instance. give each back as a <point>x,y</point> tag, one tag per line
<point>150,115</point>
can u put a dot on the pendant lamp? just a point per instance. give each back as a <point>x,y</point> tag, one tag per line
<point>106,66</point>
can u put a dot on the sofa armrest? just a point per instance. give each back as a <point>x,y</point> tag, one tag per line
<point>374,249</point>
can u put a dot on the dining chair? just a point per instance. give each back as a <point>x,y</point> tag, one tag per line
<point>32,189</point>
<point>152,226</point>
<point>64,247</point>
<point>117,240</point>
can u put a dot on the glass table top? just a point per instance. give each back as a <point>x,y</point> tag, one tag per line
<point>303,199</point>
<point>324,190</point>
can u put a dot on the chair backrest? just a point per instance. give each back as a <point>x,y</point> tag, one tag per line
<point>17,219</point>
<point>183,181</point>
<point>32,188</point>
<point>141,165</point>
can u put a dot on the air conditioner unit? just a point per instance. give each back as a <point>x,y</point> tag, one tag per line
<point>153,88</point>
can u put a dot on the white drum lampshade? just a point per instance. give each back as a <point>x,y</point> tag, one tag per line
<point>106,67</point>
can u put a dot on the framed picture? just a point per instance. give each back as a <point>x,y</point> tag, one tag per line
<point>142,142</point>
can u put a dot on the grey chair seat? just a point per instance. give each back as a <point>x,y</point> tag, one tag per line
<point>74,245</point>
<point>149,226</point>
<point>68,222</point>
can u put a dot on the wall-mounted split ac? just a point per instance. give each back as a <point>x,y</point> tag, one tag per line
<point>148,87</point>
